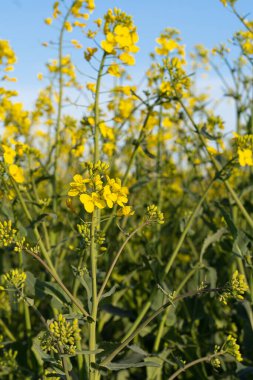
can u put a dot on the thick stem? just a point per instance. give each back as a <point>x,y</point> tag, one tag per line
<point>92,325</point>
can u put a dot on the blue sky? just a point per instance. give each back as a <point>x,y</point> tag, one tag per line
<point>200,21</point>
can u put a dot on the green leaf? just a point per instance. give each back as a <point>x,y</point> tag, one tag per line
<point>40,355</point>
<point>110,292</point>
<point>228,220</point>
<point>86,282</point>
<point>211,239</point>
<point>240,246</point>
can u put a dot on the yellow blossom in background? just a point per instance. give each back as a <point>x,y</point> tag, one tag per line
<point>17,173</point>
<point>7,55</point>
<point>9,68</point>
<point>125,211</point>
<point>40,76</point>
<point>245,157</point>
<point>48,21</point>
<point>76,44</point>
<point>89,53</point>
<point>114,70</point>
<point>79,24</point>
<point>9,154</point>
<point>91,87</point>
<point>212,150</point>
<point>68,26</point>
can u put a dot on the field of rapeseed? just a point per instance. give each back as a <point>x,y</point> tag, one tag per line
<point>126,234</point>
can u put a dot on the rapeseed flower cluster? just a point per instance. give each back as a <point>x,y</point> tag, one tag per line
<point>79,10</point>
<point>120,38</point>
<point>99,190</point>
<point>235,288</point>
<point>15,278</point>
<point>154,215</point>
<point>232,348</point>
<point>7,233</point>
<point>245,38</point>
<point>8,363</point>
<point>61,336</point>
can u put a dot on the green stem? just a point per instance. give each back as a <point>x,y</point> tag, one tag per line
<point>207,358</point>
<point>6,330</point>
<point>59,282</point>
<point>187,227</point>
<point>92,325</point>
<point>159,182</point>
<point>108,274</point>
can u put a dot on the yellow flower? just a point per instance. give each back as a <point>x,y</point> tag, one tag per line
<point>78,186</point>
<point>17,173</point>
<point>109,197</point>
<point>245,157</point>
<point>107,46</point>
<point>114,70</point>
<point>68,26</point>
<point>9,154</point>
<point>212,150</point>
<point>91,87</point>
<point>79,24</point>
<point>98,22</point>
<point>48,21</point>
<point>40,76</point>
<point>76,44</point>
<point>125,211</point>
<point>9,79</point>
<point>127,59</point>
<point>9,68</point>
<point>233,348</point>
<point>92,201</point>
<point>239,285</point>
<point>89,53</point>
